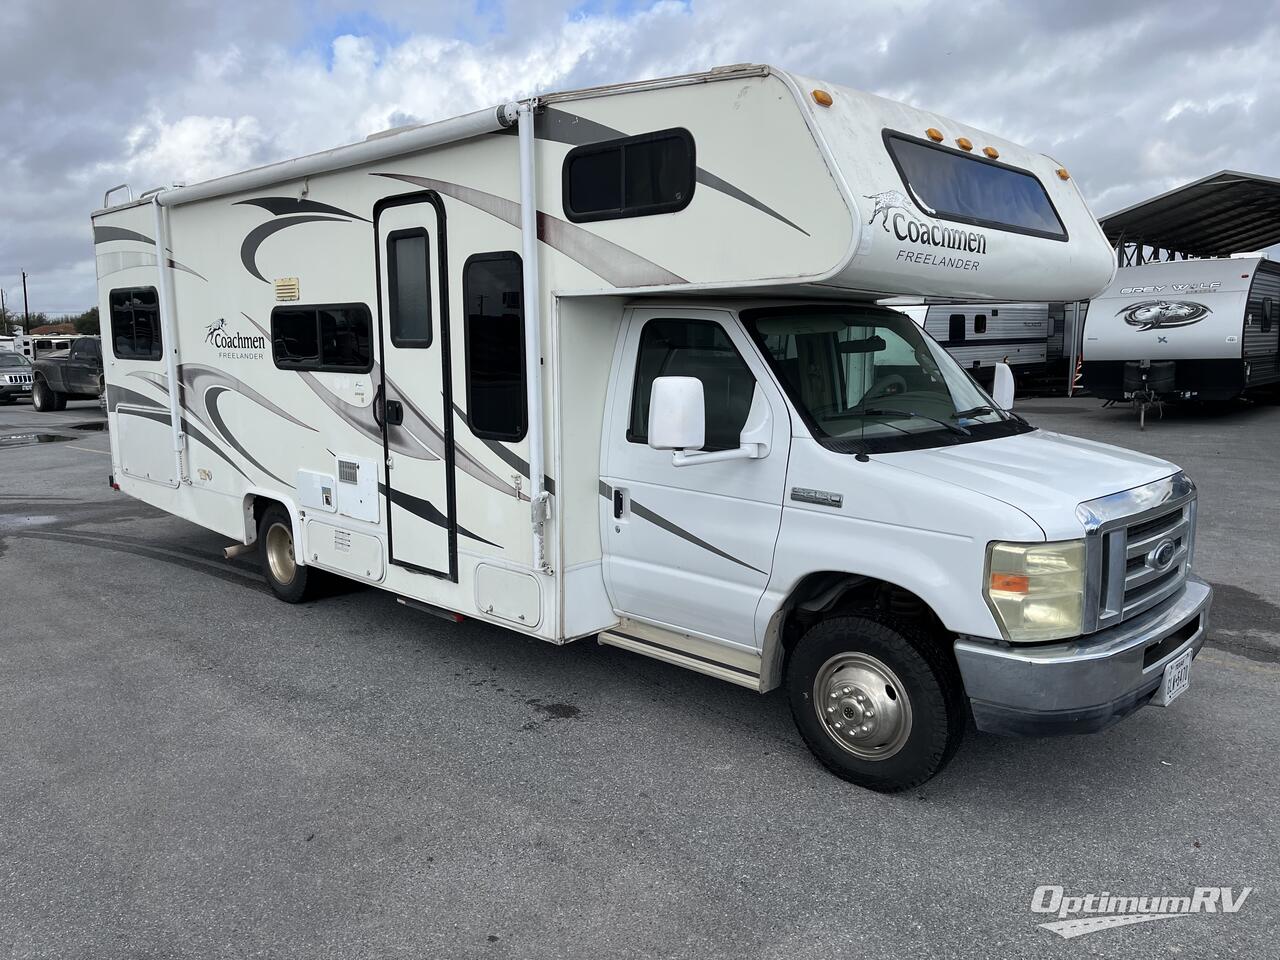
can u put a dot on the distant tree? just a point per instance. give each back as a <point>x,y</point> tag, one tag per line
<point>37,320</point>
<point>87,322</point>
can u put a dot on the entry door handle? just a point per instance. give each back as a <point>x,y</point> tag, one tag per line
<point>619,502</point>
<point>395,413</point>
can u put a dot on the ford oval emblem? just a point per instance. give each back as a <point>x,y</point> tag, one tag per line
<point>1162,556</point>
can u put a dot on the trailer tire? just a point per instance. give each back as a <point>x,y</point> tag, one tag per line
<point>289,580</point>
<point>877,704</point>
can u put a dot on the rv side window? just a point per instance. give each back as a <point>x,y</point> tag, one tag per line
<point>325,337</point>
<point>1268,314</point>
<point>409,287</point>
<point>955,186</point>
<point>980,323</point>
<point>493,291</point>
<point>955,328</point>
<point>632,177</point>
<point>694,348</point>
<point>135,324</point>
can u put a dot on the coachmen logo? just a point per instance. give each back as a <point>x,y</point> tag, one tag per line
<point>1153,314</point>
<point>893,208</point>
<point>234,345</point>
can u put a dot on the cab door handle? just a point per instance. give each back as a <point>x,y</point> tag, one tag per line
<point>619,502</point>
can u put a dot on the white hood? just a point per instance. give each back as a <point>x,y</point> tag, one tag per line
<point>1045,475</point>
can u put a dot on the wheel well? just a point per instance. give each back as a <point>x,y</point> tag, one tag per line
<point>831,593</point>
<point>255,505</point>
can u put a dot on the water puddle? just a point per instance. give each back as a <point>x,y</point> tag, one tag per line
<point>96,426</point>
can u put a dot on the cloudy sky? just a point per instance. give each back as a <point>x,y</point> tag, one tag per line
<point>1133,97</point>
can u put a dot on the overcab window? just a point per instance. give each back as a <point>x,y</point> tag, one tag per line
<point>493,294</point>
<point>135,323</point>
<point>631,177</point>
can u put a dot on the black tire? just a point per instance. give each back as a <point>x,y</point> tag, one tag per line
<point>272,526</point>
<point>922,670</point>
<point>45,399</point>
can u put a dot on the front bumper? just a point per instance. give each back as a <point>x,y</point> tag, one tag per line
<point>10,391</point>
<point>1086,684</point>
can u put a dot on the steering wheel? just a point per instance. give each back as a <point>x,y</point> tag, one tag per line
<point>887,386</point>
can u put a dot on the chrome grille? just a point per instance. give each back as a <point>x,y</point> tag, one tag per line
<point>19,378</point>
<point>1139,548</point>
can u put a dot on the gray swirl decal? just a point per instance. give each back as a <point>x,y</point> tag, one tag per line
<point>255,237</point>
<point>1162,314</point>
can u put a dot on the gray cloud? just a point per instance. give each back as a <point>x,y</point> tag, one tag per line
<point>1133,98</point>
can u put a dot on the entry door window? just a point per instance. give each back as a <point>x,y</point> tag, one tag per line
<point>701,349</point>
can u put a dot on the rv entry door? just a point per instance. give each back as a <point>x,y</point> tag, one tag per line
<point>414,398</point>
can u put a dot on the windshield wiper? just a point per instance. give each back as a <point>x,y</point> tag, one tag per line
<point>973,412</point>
<point>910,415</point>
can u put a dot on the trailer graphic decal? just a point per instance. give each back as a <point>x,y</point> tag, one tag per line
<point>1162,314</point>
<point>114,262</point>
<point>427,511</point>
<point>608,261</point>
<point>885,203</point>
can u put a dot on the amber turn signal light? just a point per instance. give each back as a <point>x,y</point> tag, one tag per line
<point>991,153</point>
<point>1062,173</point>
<point>1010,583</point>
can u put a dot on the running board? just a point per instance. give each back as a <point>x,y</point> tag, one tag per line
<point>693,653</point>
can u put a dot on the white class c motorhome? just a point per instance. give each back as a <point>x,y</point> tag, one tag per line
<point>607,363</point>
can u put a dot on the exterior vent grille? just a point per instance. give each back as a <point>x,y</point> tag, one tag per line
<point>348,471</point>
<point>287,288</point>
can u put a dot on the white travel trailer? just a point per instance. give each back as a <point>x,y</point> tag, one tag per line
<point>1206,329</point>
<point>1033,339</point>
<point>607,363</point>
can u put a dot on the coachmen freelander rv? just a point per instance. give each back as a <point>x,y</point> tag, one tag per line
<point>607,364</point>
<point>1206,329</point>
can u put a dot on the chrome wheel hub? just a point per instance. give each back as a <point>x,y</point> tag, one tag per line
<point>862,705</point>
<point>279,547</point>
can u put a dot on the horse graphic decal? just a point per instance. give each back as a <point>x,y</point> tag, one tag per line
<point>886,202</point>
<point>214,328</point>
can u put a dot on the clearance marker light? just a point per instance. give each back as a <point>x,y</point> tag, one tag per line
<point>964,143</point>
<point>822,98</point>
<point>1062,173</point>
<point>991,152</point>
<point>934,134</point>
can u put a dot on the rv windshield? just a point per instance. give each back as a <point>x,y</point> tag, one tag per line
<point>869,379</point>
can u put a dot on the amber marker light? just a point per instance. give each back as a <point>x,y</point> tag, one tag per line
<point>991,152</point>
<point>964,143</point>
<point>934,134</point>
<point>822,98</point>
<point>1010,582</point>
<point>1062,173</point>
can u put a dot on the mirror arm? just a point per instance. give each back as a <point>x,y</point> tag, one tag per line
<point>747,451</point>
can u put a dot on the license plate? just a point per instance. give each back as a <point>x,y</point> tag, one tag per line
<point>1177,677</point>
<point>25,388</point>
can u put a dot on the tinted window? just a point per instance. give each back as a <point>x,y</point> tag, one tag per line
<point>694,348</point>
<point>956,186</point>
<point>135,323</point>
<point>409,282</point>
<point>980,323</point>
<point>325,337</point>
<point>13,360</point>
<point>493,291</point>
<point>955,327</point>
<point>634,176</point>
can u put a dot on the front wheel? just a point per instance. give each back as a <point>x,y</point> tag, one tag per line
<point>879,706</point>
<point>288,579</point>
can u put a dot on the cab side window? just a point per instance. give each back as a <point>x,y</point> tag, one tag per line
<point>701,349</point>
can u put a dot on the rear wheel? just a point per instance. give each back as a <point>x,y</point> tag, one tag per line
<point>879,706</point>
<point>288,579</point>
<point>45,399</point>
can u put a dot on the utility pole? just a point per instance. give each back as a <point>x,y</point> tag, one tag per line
<point>4,315</point>
<point>26,310</point>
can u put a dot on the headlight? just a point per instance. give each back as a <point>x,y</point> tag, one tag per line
<point>1036,590</point>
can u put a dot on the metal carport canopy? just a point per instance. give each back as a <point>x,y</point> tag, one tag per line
<point>1222,214</point>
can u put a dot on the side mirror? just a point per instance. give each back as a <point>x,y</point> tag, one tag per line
<point>1002,391</point>
<point>677,415</point>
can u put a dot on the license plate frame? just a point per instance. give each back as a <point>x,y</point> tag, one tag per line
<point>1175,680</point>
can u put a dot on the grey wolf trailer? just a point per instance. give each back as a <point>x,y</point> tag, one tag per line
<point>1189,313</point>
<point>608,363</point>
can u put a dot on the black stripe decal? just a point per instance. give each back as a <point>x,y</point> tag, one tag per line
<point>282,206</point>
<point>505,454</point>
<point>106,234</point>
<point>211,405</point>
<point>644,513</point>
<point>188,429</point>
<point>255,237</point>
<point>427,511</point>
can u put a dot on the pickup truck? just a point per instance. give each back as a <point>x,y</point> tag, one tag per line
<point>74,374</point>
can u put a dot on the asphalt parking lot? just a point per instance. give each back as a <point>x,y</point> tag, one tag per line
<point>190,768</point>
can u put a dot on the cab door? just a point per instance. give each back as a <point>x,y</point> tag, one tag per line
<point>415,394</point>
<point>691,547</point>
